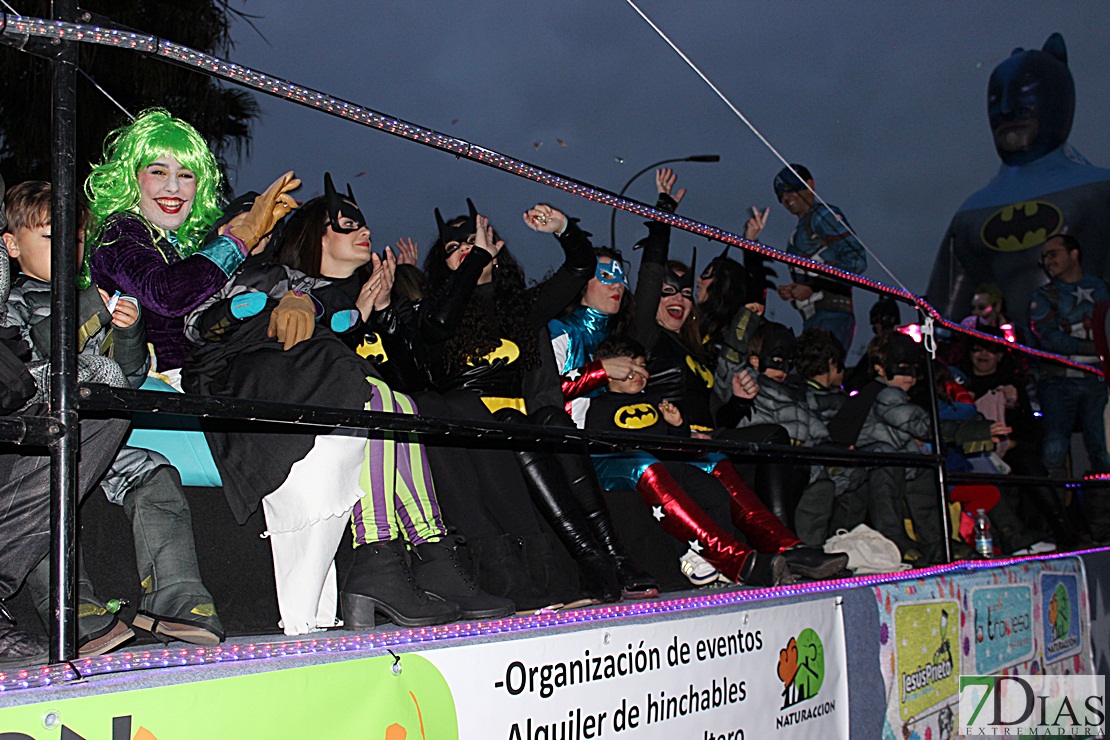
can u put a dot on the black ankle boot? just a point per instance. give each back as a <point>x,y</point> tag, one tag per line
<point>380,581</point>
<point>764,570</point>
<point>498,565</point>
<point>813,563</point>
<point>598,577</point>
<point>553,570</point>
<point>438,571</point>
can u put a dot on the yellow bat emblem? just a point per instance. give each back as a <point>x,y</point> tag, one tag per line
<point>700,370</point>
<point>1021,226</point>
<point>373,349</point>
<point>636,416</point>
<point>507,351</point>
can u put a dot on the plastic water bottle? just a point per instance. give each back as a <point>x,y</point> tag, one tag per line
<point>984,543</point>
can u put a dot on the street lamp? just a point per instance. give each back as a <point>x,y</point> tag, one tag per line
<point>613,217</point>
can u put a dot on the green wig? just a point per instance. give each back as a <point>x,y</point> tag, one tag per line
<point>113,186</point>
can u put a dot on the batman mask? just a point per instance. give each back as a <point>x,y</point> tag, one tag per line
<point>903,356</point>
<point>684,283</point>
<point>458,234</point>
<point>1031,102</point>
<point>777,351</point>
<point>339,207</point>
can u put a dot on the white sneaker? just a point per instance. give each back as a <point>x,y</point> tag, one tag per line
<point>698,570</point>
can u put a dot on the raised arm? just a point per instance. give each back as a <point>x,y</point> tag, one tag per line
<point>653,263</point>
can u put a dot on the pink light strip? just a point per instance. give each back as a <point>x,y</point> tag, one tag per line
<point>20,27</point>
<point>376,642</point>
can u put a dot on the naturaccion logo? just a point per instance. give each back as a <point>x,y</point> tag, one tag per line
<point>802,670</point>
<point>1033,706</point>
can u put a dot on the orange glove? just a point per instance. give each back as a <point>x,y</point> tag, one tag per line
<point>294,319</point>
<point>268,209</point>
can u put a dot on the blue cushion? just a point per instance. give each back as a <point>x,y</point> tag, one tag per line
<point>178,438</point>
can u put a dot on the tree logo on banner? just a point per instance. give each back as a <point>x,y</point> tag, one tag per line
<point>801,667</point>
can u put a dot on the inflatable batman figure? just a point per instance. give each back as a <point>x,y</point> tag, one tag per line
<point>1043,188</point>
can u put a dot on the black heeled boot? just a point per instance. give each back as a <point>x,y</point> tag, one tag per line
<point>550,492</point>
<point>380,581</point>
<point>438,571</point>
<point>636,583</point>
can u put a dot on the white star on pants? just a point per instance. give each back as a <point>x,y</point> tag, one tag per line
<point>695,546</point>
<point>657,512</point>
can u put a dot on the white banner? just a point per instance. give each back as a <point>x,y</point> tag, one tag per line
<point>773,672</point>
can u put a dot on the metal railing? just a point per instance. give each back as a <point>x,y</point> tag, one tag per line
<point>57,40</point>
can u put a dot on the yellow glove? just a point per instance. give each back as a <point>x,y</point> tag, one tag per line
<point>268,209</point>
<point>294,319</point>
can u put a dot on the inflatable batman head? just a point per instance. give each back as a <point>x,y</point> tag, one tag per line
<point>1031,102</point>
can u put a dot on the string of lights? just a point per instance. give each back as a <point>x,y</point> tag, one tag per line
<point>17,28</point>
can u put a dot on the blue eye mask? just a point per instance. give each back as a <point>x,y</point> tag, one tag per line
<point>611,274</point>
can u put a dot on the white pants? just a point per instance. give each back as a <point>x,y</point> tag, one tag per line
<point>305,517</point>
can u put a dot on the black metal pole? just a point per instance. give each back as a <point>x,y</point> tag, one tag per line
<point>938,447</point>
<point>613,216</point>
<point>63,349</point>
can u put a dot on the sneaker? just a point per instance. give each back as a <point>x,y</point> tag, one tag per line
<point>698,570</point>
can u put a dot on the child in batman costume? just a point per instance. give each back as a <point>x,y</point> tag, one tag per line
<point>175,603</point>
<point>309,484</point>
<point>482,333</point>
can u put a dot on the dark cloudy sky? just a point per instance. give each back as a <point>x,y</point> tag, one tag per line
<point>884,101</point>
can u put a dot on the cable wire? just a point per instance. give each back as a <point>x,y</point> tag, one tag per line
<point>763,139</point>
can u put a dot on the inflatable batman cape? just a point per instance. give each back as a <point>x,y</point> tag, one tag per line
<point>1043,188</point>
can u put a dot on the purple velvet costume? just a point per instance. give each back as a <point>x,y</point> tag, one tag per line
<point>130,259</point>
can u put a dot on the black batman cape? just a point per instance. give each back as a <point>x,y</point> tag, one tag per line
<point>320,371</point>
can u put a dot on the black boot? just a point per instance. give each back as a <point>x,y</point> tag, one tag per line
<point>438,571</point>
<point>497,563</point>
<point>1052,509</point>
<point>814,563</point>
<point>553,569</point>
<point>19,649</point>
<point>98,630</point>
<point>175,604</point>
<point>380,581</point>
<point>635,582</point>
<point>764,570</point>
<point>550,491</point>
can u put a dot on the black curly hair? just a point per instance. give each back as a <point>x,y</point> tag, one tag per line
<point>487,319</point>
<point>726,295</point>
